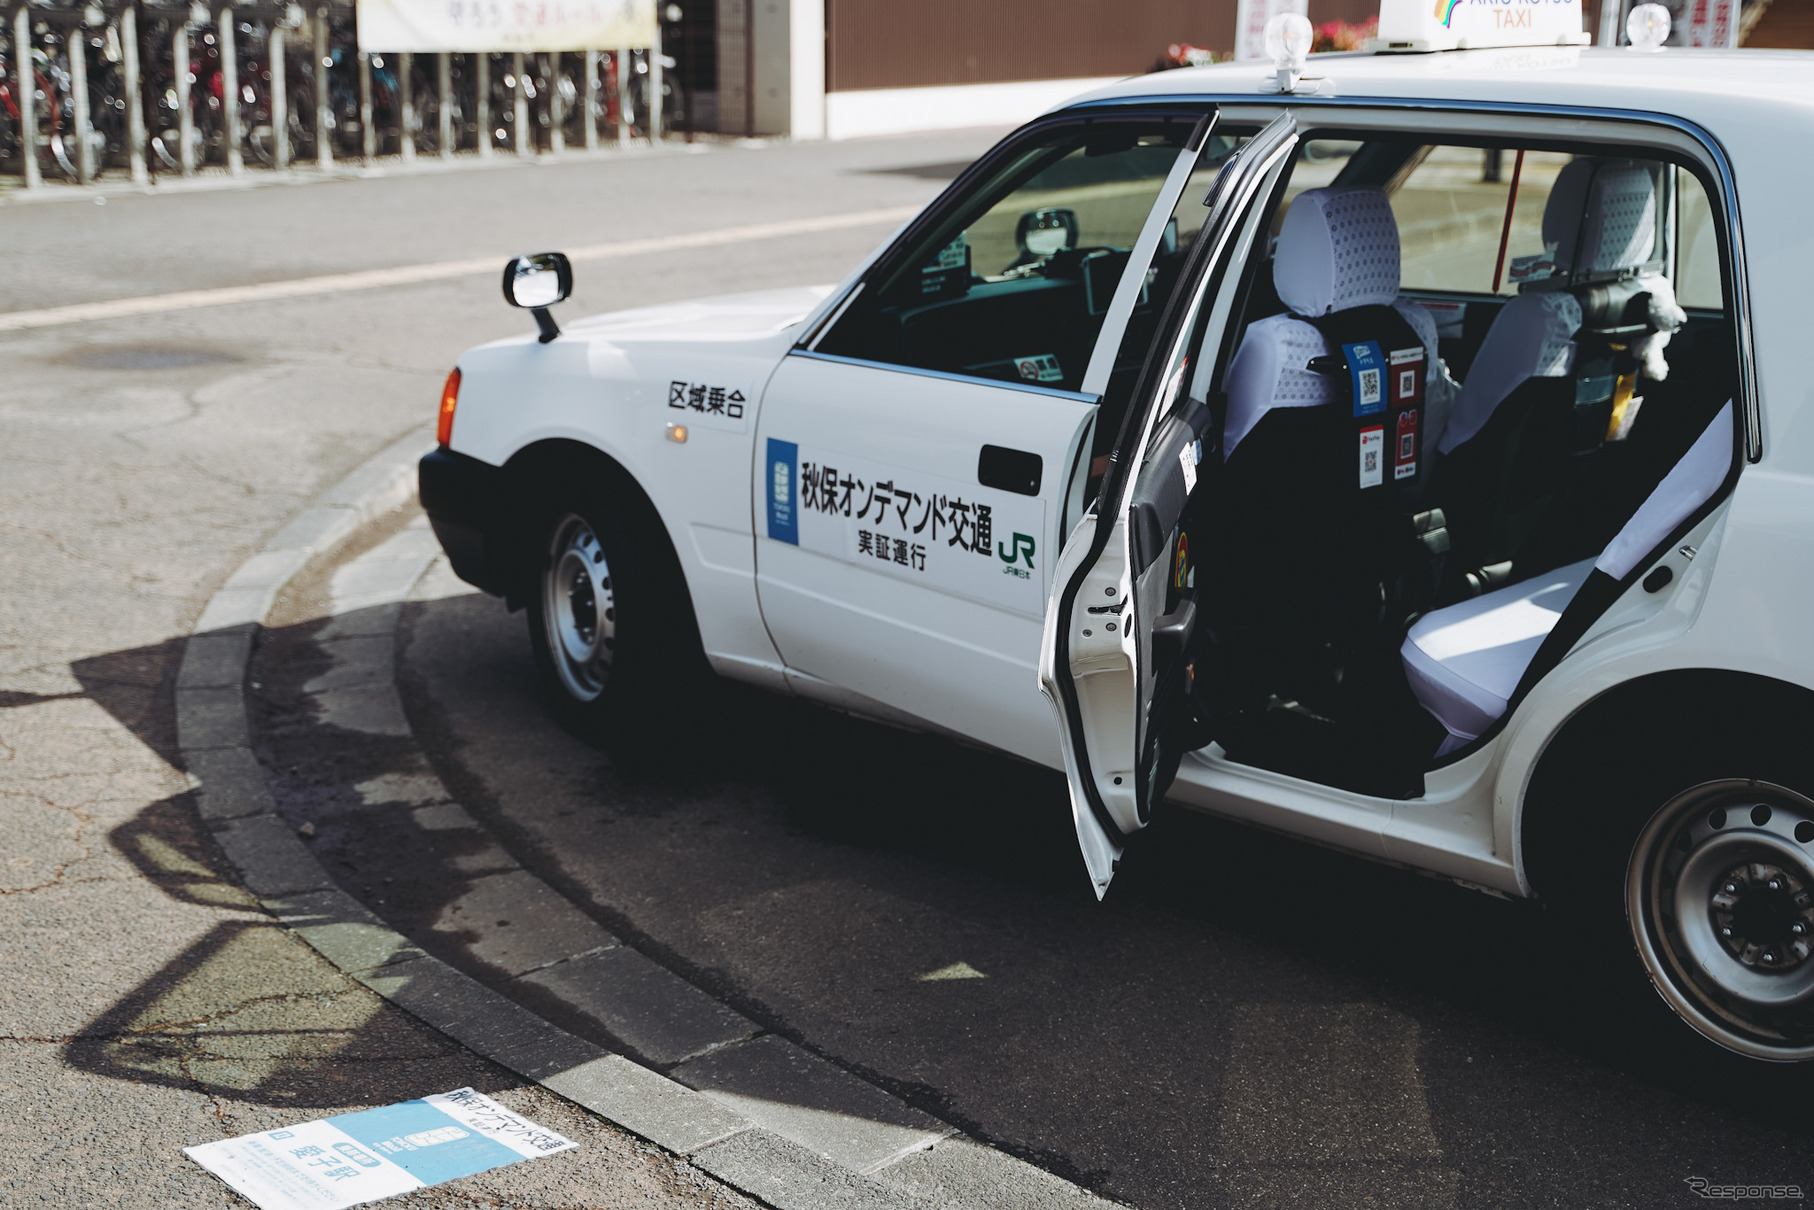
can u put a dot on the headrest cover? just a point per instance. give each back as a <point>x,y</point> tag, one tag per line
<point>1619,201</point>
<point>1338,248</point>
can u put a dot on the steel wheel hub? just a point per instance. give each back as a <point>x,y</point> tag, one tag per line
<point>1720,894</point>
<point>579,609</point>
<point>1763,915</point>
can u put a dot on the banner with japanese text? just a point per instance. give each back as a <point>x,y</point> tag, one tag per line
<point>504,25</point>
<point>1708,23</point>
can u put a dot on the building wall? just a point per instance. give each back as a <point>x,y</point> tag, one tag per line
<point>890,44</point>
<point>1784,25</point>
<point>731,54</point>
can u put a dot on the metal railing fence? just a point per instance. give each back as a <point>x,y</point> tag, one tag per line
<point>145,88</point>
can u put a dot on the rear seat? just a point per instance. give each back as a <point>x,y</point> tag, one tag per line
<point>1465,661</point>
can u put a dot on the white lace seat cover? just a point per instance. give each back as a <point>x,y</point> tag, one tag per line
<point>1533,336</point>
<point>1338,248</point>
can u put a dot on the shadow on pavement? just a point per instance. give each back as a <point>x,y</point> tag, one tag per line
<point>1244,1010</point>
<point>245,1012</point>
<point>1240,1000</point>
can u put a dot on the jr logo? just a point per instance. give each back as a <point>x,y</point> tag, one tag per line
<point>1023,548</point>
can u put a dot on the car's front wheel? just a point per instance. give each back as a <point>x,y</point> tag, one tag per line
<point>1719,896</point>
<point>578,610</point>
<point>609,619</point>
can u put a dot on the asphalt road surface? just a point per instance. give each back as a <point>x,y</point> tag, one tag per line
<point>145,1003</point>
<point>1246,1021</point>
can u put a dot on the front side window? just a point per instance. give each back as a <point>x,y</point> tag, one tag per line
<point>1015,282</point>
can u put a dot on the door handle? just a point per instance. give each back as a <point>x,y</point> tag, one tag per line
<point>1010,470</point>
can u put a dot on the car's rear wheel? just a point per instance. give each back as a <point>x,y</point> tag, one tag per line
<point>1719,896</point>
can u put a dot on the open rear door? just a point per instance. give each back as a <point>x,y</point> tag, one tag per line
<point>1115,655</point>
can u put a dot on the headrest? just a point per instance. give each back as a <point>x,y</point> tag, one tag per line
<point>1611,206</point>
<point>1338,248</point>
<point>1532,337</point>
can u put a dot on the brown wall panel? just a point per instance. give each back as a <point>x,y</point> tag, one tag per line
<point>908,43</point>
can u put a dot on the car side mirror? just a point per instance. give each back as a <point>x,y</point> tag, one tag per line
<point>538,281</point>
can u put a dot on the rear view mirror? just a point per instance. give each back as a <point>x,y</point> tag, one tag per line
<point>538,281</point>
<point>1043,233</point>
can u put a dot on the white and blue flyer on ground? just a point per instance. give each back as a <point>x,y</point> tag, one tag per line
<point>355,1158</point>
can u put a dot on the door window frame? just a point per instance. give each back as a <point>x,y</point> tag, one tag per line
<point>1560,124</point>
<point>1192,114</point>
<point>1680,141</point>
<point>1231,202</point>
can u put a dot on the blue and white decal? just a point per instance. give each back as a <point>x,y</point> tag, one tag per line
<point>1366,377</point>
<point>940,533</point>
<point>783,478</point>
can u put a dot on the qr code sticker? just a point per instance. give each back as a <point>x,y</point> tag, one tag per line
<point>1407,383</point>
<point>1407,444</point>
<point>1370,461</point>
<point>1369,386</point>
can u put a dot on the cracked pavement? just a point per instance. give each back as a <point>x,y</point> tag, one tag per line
<point>145,1002</point>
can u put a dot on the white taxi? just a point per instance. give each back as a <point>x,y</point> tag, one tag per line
<point>1406,451</point>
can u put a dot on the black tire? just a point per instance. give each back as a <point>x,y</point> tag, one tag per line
<point>1719,902</point>
<point>1694,874</point>
<point>616,647</point>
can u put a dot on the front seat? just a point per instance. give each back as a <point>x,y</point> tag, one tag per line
<point>1304,554</point>
<point>1549,385</point>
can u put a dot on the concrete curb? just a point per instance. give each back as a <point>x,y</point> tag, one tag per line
<point>775,1147</point>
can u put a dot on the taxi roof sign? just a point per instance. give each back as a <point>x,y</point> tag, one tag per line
<point>1417,25</point>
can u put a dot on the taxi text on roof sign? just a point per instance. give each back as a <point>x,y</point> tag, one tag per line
<point>1406,25</point>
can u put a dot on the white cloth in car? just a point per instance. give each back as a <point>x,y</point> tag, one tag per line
<point>1268,372</point>
<point>1338,248</point>
<point>1689,484</point>
<point>1464,661</point>
<point>1607,210</point>
<point>1533,336</point>
<point>1610,207</point>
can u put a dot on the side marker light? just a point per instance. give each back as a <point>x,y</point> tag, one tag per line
<point>450,398</point>
<point>677,433</point>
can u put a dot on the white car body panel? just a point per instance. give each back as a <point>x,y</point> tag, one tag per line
<point>1739,604</point>
<point>963,663</point>
<point>605,383</point>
